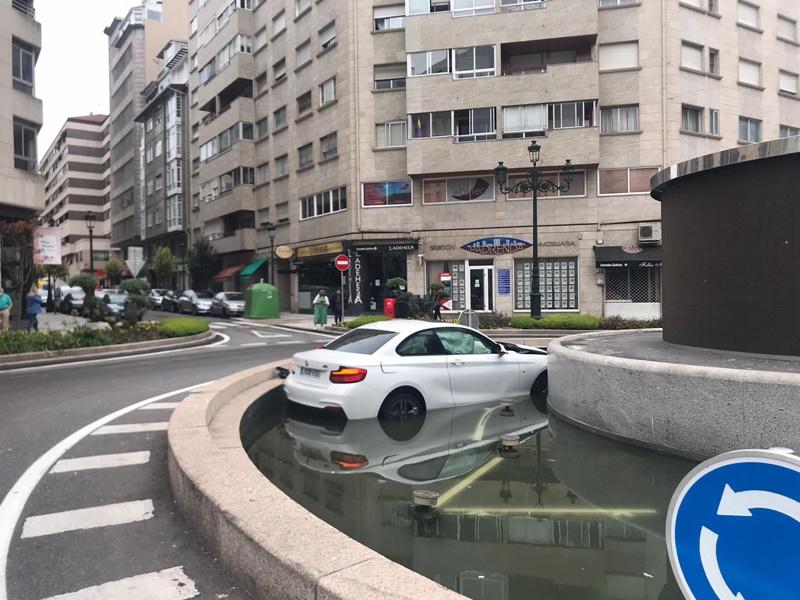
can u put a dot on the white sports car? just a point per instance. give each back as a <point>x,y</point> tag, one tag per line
<point>391,369</point>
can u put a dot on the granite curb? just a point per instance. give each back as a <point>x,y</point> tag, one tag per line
<point>46,358</point>
<point>276,548</point>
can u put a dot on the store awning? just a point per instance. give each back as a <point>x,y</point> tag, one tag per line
<point>628,256</point>
<point>227,273</point>
<point>251,269</point>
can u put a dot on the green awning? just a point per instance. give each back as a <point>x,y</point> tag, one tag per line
<point>251,269</point>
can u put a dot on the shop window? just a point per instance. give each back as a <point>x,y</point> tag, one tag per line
<point>558,283</point>
<point>625,181</point>
<point>636,285</point>
<point>458,189</point>
<point>387,193</point>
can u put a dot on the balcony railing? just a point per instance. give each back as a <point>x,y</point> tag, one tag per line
<point>24,6</point>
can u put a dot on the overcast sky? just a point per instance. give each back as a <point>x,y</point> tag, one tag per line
<point>72,71</point>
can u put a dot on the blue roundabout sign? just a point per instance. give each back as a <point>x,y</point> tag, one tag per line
<point>733,528</point>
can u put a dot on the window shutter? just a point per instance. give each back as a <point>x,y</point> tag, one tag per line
<point>788,82</point>
<point>393,10</point>
<point>749,72</point>
<point>619,56</point>
<point>692,57</point>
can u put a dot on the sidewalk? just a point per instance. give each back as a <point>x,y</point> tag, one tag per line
<point>51,322</point>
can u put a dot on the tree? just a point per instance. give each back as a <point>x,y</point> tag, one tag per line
<point>53,271</point>
<point>203,263</point>
<point>88,284</point>
<point>164,266</point>
<point>137,303</point>
<point>114,270</point>
<point>21,266</point>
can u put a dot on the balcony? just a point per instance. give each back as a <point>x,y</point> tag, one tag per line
<point>25,7</point>
<point>239,198</point>
<point>241,109</point>
<point>237,74</point>
<point>234,241</point>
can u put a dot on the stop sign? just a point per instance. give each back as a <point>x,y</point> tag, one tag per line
<point>342,263</point>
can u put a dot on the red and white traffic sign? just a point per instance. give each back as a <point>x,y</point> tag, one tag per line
<point>342,263</point>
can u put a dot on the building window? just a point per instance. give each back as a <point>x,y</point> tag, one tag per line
<point>389,17</point>
<point>390,77</point>
<point>260,39</point>
<point>577,187</point>
<point>747,14</point>
<point>261,83</point>
<point>421,7</point>
<point>279,118</point>
<point>282,166</point>
<point>327,91</point>
<point>303,53</point>
<point>569,115</point>
<point>434,124</point>
<point>23,58</point>
<point>619,119</point>
<point>524,121</point>
<point>788,82</point>
<point>432,62</point>
<point>713,121</point>
<point>262,173</point>
<point>304,103</point>
<point>692,119</point>
<point>640,284</point>
<point>279,23</point>
<point>477,61</point>
<point>614,57</point>
<point>158,183</point>
<point>159,148</point>
<point>635,180</point>
<point>279,70</point>
<point>458,189</point>
<point>607,3</point>
<point>515,5</point>
<point>390,135</point>
<point>328,146</point>
<point>262,129</point>
<point>235,133</point>
<point>327,36</point>
<point>713,61</point>
<point>149,187</point>
<point>475,124</point>
<point>787,29</point>
<point>789,131</point>
<point>749,130</point>
<point>558,283</point>
<point>691,56</point>
<point>387,193</point>
<point>468,8</point>
<point>305,156</point>
<point>323,203</point>
<point>174,212</point>
<point>749,72</point>
<point>25,145</point>
<point>301,6</point>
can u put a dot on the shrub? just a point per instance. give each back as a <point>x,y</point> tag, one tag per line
<point>556,322</point>
<point>494,320</point>
<point>82,337</point>
<point>366,320</point>
<point>86,282</point>
<point>182,326</point>
<point>135,287</point>
<point>622,323</point>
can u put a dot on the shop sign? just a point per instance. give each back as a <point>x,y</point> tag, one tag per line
<point>557,244</point>
<point>504,282</point>
<point>496,246</point>
<point>388,247</point>
<point>47,246</point>
<point>319,250</point>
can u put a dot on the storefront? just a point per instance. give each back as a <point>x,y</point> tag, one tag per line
<point>632,284</point>
<point>316,271</point>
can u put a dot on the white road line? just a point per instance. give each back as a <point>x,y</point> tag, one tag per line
<point>131,428</point>
<point>88,518</point>
<point>169,584</point>
<point>161,406</point>
<point>216,327</point>
<point>14,503</point>
<point>102,461</point>
<point>292,343</point>
<point>312,332</point>
<point>253,344</point>
<point>268,336</point>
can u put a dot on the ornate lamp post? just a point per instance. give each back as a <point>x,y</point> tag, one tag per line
<point>90,219</point>
<point>270,227</point>
<point>535,182</point>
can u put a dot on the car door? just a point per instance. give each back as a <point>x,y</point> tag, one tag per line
<point>419,361</point>
<point>477,371</point>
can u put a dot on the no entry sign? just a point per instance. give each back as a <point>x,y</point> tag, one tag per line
<point>342,263</point>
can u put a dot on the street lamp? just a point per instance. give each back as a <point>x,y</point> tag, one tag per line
<point>534,182</point>
<point>271,227</point>
<point>90,218</point>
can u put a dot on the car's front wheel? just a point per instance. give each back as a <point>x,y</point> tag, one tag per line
<point>539,387</point>
<point>402,405</point>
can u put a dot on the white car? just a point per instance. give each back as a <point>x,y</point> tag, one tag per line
<point>391,369</point>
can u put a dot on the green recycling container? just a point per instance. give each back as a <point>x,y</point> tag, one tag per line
<point>262,302</point>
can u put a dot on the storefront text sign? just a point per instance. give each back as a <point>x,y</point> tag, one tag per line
<point>47,246</point>
<point>496,246</point>
<point>319,250</point>
<point>503,282</point>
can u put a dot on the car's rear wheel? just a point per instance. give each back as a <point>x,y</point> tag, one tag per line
<point>401,405</point>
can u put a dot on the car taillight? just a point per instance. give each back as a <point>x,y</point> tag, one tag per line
<point>320,346</point>
<point>348,375</point>
<point>348,461</point>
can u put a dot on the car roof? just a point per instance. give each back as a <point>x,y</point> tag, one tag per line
<point>407,325</point>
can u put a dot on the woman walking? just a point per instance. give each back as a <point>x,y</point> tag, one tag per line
<point>321,304</point>
<point>33,306</point>
<point>336,307</point>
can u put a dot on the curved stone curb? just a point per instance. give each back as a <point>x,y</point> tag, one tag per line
<point>39,359</point>
<point>688,410</point>
<point>273,545</point>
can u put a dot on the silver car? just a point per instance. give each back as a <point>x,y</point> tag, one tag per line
<point>196,303</point>
<point>226,304</point>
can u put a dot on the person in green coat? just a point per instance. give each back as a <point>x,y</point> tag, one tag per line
<point>5,310</point>
<point>321,303</point>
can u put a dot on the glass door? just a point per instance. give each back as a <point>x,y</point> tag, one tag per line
<point>481,288</point>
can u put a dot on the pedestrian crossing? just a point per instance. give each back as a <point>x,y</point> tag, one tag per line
<point>105,461</point>
<point>169,584</point>
<point>88,518</point>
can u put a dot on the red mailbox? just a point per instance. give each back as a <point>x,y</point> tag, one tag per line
<point>390,308</point>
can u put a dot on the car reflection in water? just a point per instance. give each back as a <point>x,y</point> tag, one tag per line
<point>505,528</point>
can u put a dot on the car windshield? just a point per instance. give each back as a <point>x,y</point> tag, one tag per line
<point>204,295</point>
<point>234,296</point>
<point>361,341</point>
<point>117,298</point>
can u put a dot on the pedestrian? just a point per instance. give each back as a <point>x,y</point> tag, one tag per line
<point>5,310</point>
<point>321,304</point>
<point>33,306</point>
<point>336,307</point>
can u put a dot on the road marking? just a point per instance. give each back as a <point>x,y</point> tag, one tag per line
<point>14,503</point>
<point>268,336</point>
<point>161,405</point>
<point>102,461</point>
<point>131,428</point>
<point>253,344</point>
<point>217,326</point>
<point>88,518</point>
<point>169,584</point>
<point>292,343</point>
<point>301,331</point>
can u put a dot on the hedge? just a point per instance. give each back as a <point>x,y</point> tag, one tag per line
<point>182,326</point>
<point>358,322</point>
<point>556,322</point>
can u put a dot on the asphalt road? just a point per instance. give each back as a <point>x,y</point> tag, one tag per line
<point>41,407</point>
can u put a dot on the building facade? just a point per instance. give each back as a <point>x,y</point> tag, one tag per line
<point>20,121</point>
<point>77,174</point>
<point>134,43</point>
<point>373,129</point>
<point>163,160</point>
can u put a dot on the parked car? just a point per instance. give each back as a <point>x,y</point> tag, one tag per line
<point>169,301</point>
<point>226,304</point>
<point>115,301</point>
<point>155,297</point>
<point>197,303</point>
<point>393,369</point>
<point>69,299</point>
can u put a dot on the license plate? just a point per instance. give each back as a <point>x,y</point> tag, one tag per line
<point>313,373</point>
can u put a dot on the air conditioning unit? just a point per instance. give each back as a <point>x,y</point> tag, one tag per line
<point>649,233</point>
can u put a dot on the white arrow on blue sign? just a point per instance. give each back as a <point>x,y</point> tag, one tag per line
<point>733,528</point>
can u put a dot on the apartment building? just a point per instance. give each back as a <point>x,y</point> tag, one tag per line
<point>134,43</point>
<point>373,129</point>
<point>77,174</point>
<point>163,160</point>
<point>20,121</point>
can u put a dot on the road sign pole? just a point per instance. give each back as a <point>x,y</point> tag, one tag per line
<point>341,296</point>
